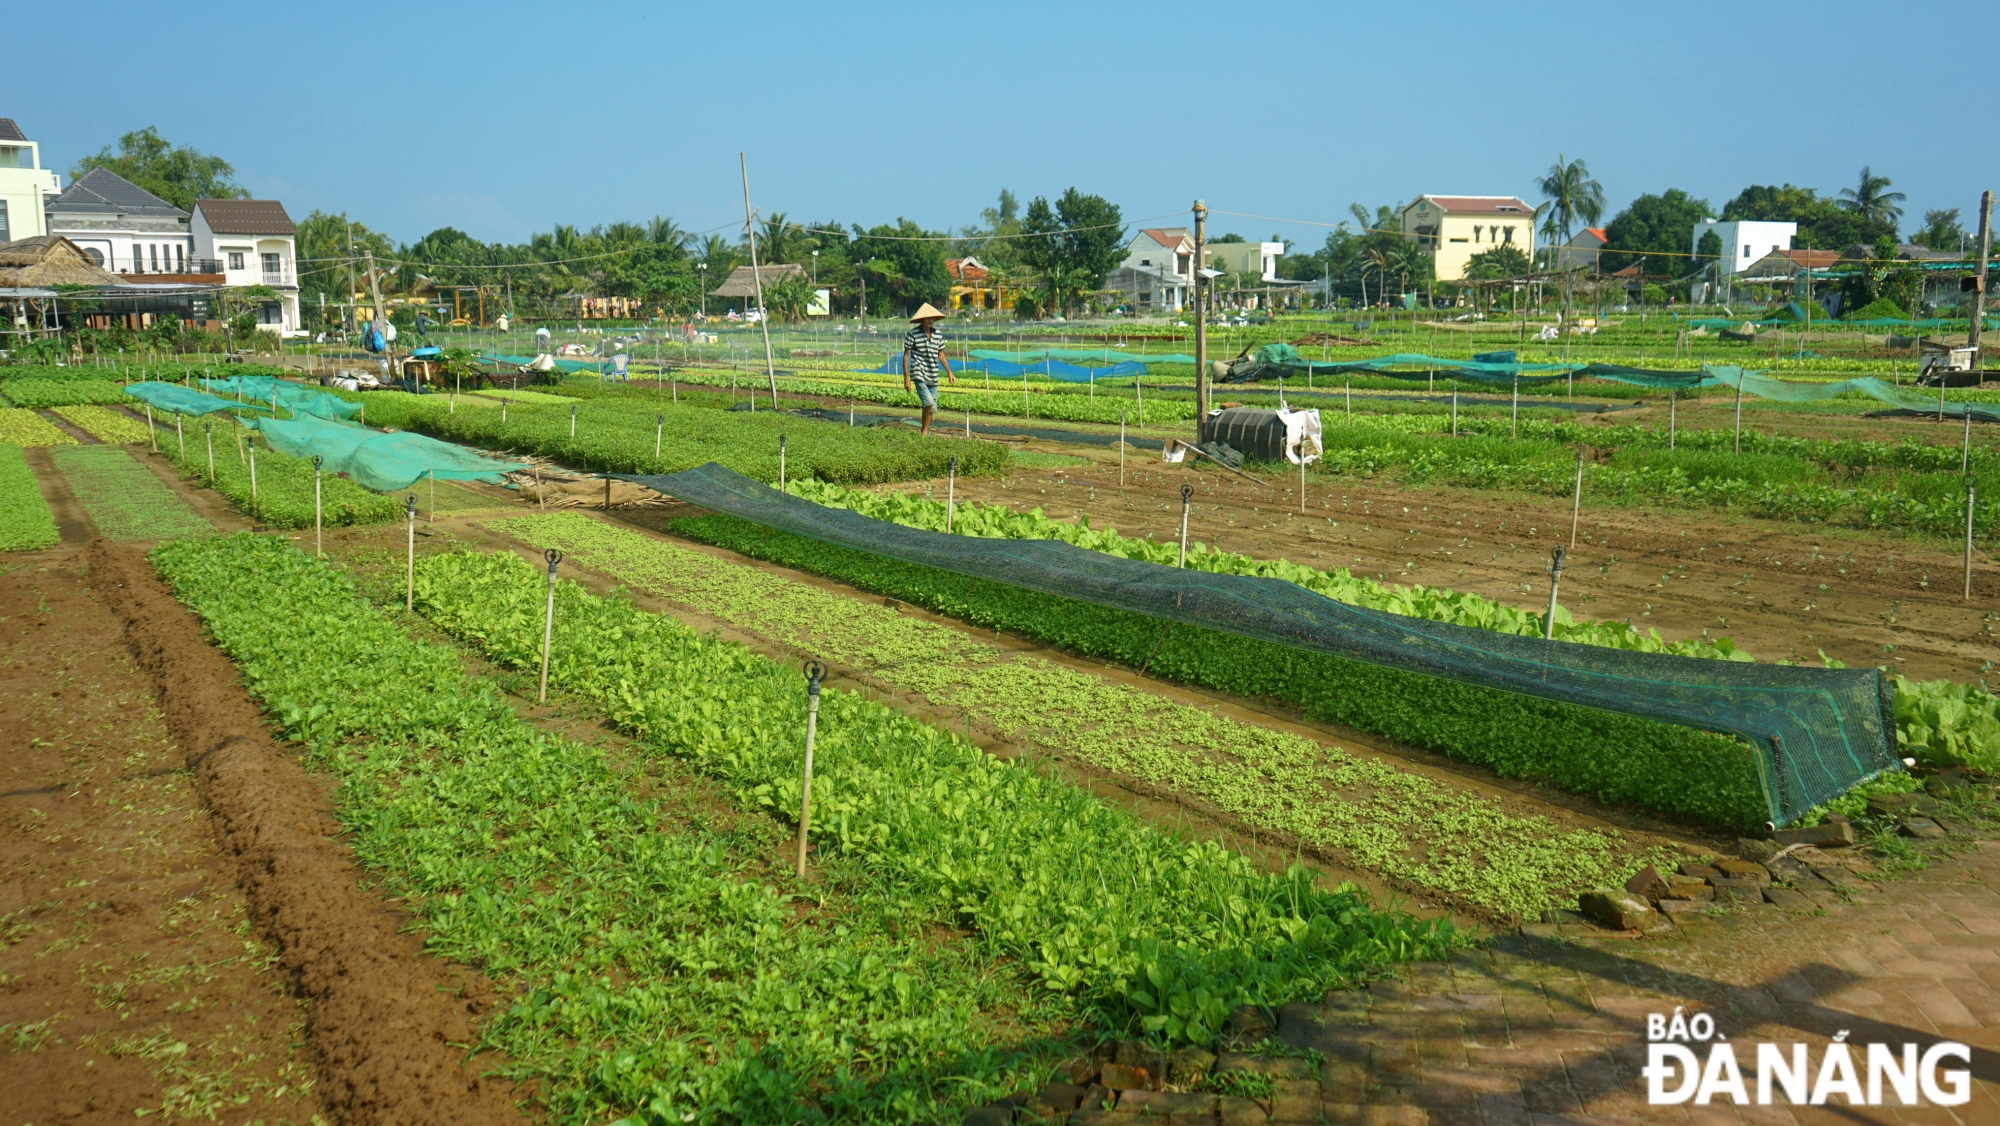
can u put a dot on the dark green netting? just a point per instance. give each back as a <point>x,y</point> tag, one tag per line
<point>256,390</point>
<point>1818,731</point>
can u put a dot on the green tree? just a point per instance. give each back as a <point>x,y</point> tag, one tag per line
<point>176,173</point>
<point>1821,224</point>
<point>905,266</point>
<point>1655,231</point>
<point>1572,196</point>
<point>1941,231</point>
<point>1072,245</point>
<point>1868,200</point>
<point>1500,262</point>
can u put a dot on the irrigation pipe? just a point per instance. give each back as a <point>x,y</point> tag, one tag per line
<point>1576,502</point>
<point>950,492</point>
<point>319,540</point>
<point>1968,540</point>
<point>410,571</point>
<point>1187,494</point>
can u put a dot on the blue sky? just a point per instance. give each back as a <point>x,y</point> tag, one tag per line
<point>507,118</point>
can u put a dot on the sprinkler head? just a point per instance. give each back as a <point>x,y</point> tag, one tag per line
<point>1556,561</point>
<point>554,557</point>
<point>1187,494</point>
<point>815,672</point>
<point>410,505</point>
<point>951,466</point>
<point>317,462</point>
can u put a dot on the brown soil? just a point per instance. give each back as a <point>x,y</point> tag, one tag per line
<point>129,982</point>
<point>1887,599</point>
<point>388,1024</point>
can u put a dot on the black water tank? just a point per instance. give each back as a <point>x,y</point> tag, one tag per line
<point>1258,435</point>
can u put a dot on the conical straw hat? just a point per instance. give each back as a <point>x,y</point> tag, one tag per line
<point>927,313</point>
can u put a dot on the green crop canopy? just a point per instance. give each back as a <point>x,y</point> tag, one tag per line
<point>375,459</point>
<point>1818,732</point>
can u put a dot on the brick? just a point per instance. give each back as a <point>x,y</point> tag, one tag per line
<point>1789,900</point>
<point>1503,1109</point>
<point>1242,1112</point>
<point>1124,1077</point>
<point>1617,910</point>
<point>1295,1107</point>
<point>1737,891</point>
<point>1379,1115</point>
<point>1830,835</point>
<point>1743,870</point>
<point>1647,883</point>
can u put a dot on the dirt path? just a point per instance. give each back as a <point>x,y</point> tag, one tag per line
<point>130,981</point>
<point>1886,599</point>
<point>387,1022</point>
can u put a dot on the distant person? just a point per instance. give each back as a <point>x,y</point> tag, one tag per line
<point>923,352</point>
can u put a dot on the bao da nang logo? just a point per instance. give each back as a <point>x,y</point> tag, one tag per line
<point>1688,1061</point>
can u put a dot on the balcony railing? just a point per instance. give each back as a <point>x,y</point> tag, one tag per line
<point>183,266</point>
<point>278,277</point>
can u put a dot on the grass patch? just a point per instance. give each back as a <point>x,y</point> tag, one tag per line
<point>124,499</point>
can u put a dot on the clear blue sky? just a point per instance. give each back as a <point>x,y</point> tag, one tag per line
<point>507,118</point>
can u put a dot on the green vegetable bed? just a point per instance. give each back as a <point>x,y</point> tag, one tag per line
<point>25,521</point>
<point>124,500</point>
<point>961,911</point>
<point>284,494</point>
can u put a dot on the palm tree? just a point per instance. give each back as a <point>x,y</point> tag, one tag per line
<point>662,231</point>
<point>1572,195</point>
<point>1869,201</point>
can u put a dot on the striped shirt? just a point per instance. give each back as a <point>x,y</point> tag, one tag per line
<point>924,349</point>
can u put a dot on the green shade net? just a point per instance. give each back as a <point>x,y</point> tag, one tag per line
<point>175,399</point>
<point>257,390</point>
<point>1787,391</point>
<point>1818,731</point>
<point>1077,355</point>
<point>378,460</point>
<point>564,366</point>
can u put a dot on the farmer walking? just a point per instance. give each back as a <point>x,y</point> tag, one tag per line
<point>923,351</point>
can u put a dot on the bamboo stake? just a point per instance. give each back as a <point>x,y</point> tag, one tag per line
<point>253,478</point>
<point>1740,373</point>
<point>319,538</point>
<point>1121,449</point>
<point>1576,502</point>
<point>1968,540</point>
<point>950,492</point>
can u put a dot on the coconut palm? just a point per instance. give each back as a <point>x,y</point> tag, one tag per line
<point>1572,195</point>
<point>662,231</point>
<point>1868,200</point>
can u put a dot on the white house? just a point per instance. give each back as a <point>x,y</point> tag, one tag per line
<point>1744,242</point>
<point>1453,228</point>
<point>1162,248</point>
<point>1259,258</point>
<point>126,229</point>
<point>255,243</point>
<point>1583,249</point>
<point>1151,289</point>
<point>24,184</point>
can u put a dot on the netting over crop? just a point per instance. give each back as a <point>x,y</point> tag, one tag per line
<point>1818,731</point>
<point>378,460</point>
<point>254,390</point>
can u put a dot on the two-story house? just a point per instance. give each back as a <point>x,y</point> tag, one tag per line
<point>255,243</point>
<point>128,230</point>
<point>1453,228</point>
<point>1245,259</point>
<point>24,184</point>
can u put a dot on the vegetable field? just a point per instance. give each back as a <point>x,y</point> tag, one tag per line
<point>961,916</point>
<point>63,392</point>
<point>124,500</point>
<point>105,424</point>
<point>22,427</point>
<point>284,495</point>
<point>25,521</point>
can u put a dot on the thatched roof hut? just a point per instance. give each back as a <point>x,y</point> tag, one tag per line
<point>742,281</point>
<point>47,260</point>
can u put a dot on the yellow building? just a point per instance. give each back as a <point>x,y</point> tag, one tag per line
<point>1453,228</point>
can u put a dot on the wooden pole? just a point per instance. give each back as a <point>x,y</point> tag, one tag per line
<point>1121,449</point>
<point>757,275</point>
<point>1979,285</point>
<point>1741,375</point>
<point>1200,318</point>
<point>1576,502</point>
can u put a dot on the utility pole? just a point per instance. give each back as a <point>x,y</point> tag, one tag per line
<point>1200,318</point>
<point>347,318</point>
<point>1979,284</point>
<point>381,314</point>
<point>756,275</point>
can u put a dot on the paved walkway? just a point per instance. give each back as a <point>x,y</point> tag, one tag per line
<point>1550,1026</point>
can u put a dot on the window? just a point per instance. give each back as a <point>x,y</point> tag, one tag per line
<point>1145,261</point>
<point>180,257</point>
<point>1510,235</point>
<point>3,221</point>
<point>95,255</point>
<point>1746,252</point>
<point>155,257</point>
<point>1476,229</point>
<point>235,259</point>
<point>138,258</point>
<point>274,265</point>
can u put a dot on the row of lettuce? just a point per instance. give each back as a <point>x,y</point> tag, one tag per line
<point>961,917</point>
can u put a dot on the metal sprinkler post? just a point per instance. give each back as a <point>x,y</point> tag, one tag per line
<point>950,492</point>
<point>781,462</point>
<point>548,624</point>
<point>410,573</point>
<point>815,672</point>
<point>253,477</point>
<point>319,540</point>
<point>208,441</point>
<point>1555,581</point>
<point>572,420</point>
<point>1187,496</point>
<point>659,431</point>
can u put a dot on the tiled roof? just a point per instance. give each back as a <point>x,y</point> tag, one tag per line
<point>1169,237</point>
<point>10,131</point>
<point>245,216</point>
<point>101,191</point>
